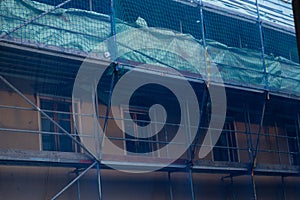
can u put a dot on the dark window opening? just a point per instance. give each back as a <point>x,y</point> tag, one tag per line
<point>53,138</point>
<point>139,140</point>
<point>226,147</point>
<point>293,145</point>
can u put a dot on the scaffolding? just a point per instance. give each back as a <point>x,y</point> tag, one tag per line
<point>34,63</point>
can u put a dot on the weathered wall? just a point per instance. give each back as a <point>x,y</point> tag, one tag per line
<point>28,120</point>
<point>36,183</point>
<point>18,119</point>
<point>43,182</point>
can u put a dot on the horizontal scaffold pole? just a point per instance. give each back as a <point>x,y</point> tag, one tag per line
<point>48,117</point>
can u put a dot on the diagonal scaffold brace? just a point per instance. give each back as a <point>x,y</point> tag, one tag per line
<point>90,154</point>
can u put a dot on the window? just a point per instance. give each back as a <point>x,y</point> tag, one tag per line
<point>136,139</point>
<point>53,138</point>
<point>293,145</point>
<point>226,147</point>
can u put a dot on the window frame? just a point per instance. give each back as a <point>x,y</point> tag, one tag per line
<point>296,142</point>
<point>234,149</point>
<point>57,134</point>
<point>139,110</point>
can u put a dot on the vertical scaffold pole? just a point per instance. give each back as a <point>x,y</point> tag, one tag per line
<point>259,21</point>
<point>297,135</point>
<point>189,153</point>
<point>73,181</point>
<point>99,139</point>
<point>277,142</point>
<point>189,161</point>
<point>89,153</point>
<point>113,45</point>
<point>91,5</point>
<point>283,188</point>
<point>296,10</point>
<point>207,69</point>
<point>254,197</point>
<point>255,151</point>
<point>191,183</point>
<point>99,181</point>
<point>196,140</point>
<point>170,185</point>
<point>64,131</point>
<point>232,188</point>
<point>78,187</point>
<point>112,82</point>
<point>251,155</point>
<point>113,51</point>
<point>248,132</point>
<point>105,129</point>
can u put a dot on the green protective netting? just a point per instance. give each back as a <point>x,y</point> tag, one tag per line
<point>65,28</point>
<point>75,30</point>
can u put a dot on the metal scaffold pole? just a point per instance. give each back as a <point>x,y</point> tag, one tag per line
<point>253,187</point>
<point>78,187</point>
<point>283,188</point>
<point>99,142</point>
<point>255,151</point>
<point>207,75</point>
<point>189,164</point>
<point>192,148</point>
<point>250,149</point>
<point>99,181</point>
<point>89,153</point>
<point>297,134</point>
<point>73,181</point>
<point>230,190</point>
<point>170,185</point>
<point>248,132</point>
<point>113,49</point>
<point>296,10</point>
<point>191,183</point>
<point>196,140</point>
<point>93,157</point>
<point>259,21</point>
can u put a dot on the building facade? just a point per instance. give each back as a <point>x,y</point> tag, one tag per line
<point>196,100</point>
